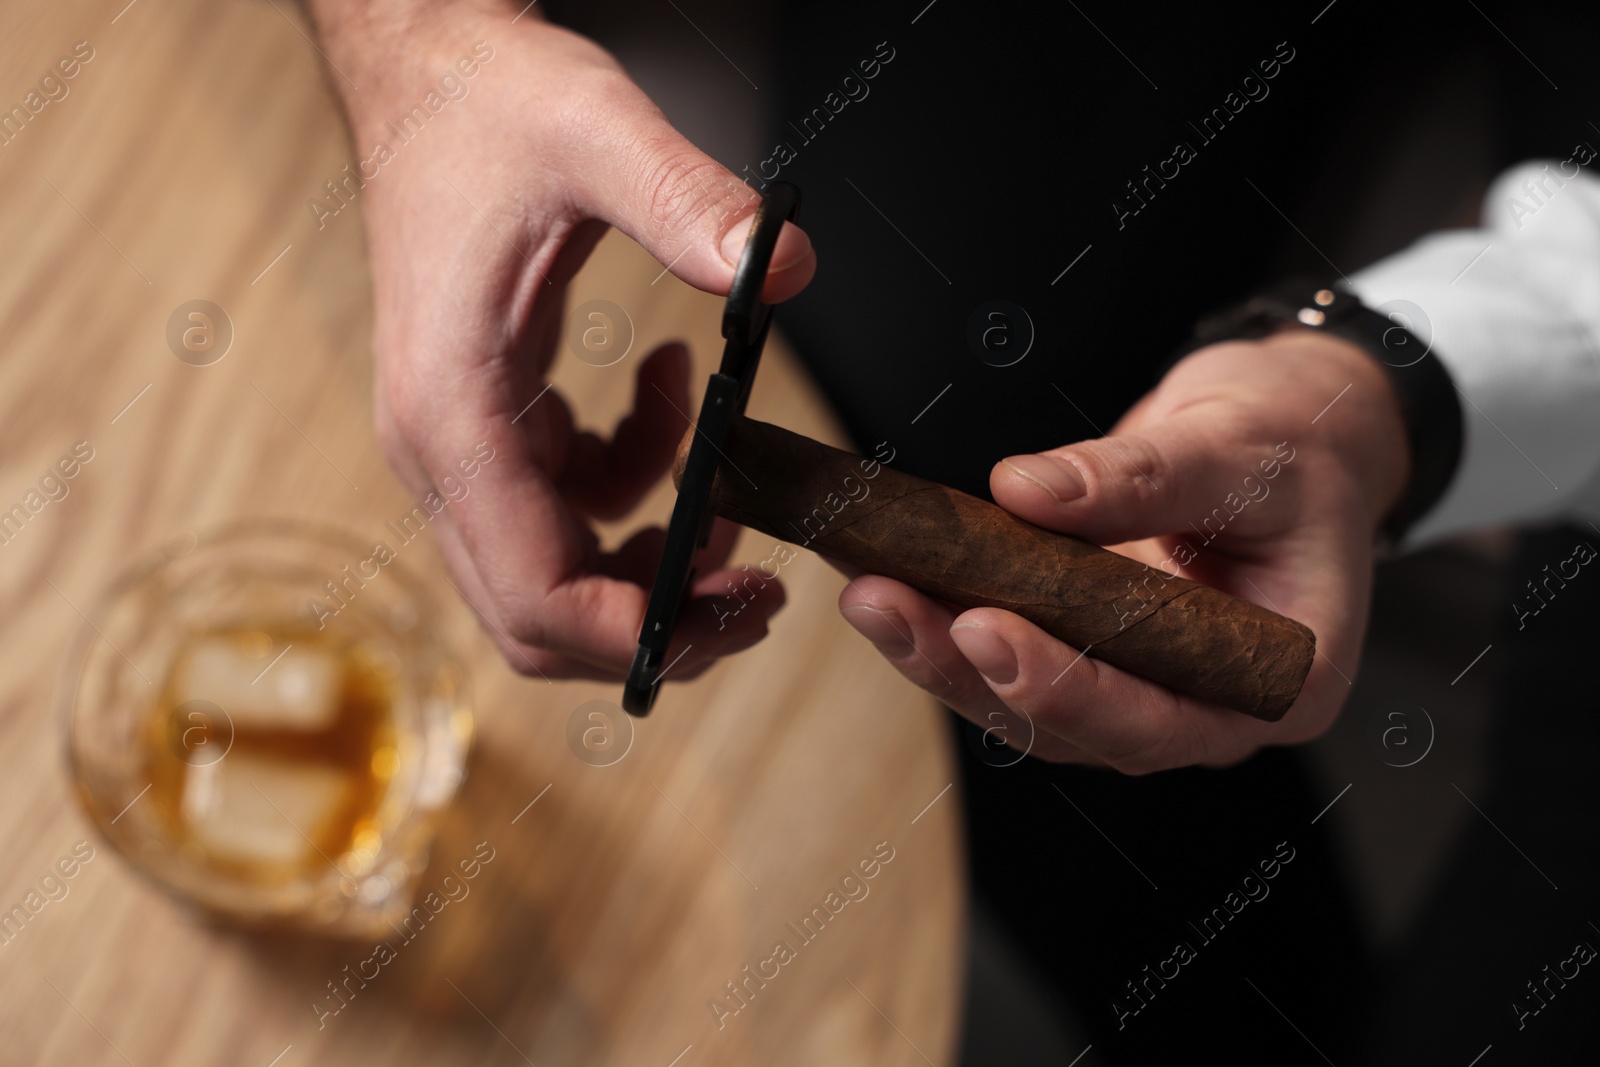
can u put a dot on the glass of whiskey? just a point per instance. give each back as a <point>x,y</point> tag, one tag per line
<point>264,722</point>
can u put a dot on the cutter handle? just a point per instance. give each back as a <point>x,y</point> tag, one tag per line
<point>1189,637</point>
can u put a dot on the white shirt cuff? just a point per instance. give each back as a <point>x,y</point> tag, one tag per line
<point>1513,312</point>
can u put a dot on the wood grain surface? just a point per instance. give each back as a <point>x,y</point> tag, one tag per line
<point>177,166</point>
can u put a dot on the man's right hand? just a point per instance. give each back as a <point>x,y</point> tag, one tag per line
<point>475,229</point>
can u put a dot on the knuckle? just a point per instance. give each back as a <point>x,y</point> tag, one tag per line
<point>517,616</point>
<point>1170,738</point>
<point>529,663</point>
<point>1065,701</point>
<point>1127,464</point>
<point>915,669</point>
<point>525,630</point>
<point>595,94</point>
<point>595,108</point>
<point>586,55</point>
<point>1254,424</point>
<point>918,669</point>
<point>680,185</point>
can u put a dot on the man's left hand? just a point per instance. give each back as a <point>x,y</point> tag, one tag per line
<point>1262,468</point>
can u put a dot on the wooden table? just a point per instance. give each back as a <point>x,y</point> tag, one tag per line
<point>176,168</point>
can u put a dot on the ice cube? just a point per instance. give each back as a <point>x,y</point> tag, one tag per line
<point>259,810</point>
<point>298,691</point>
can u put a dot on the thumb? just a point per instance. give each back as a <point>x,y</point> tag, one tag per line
<point>1135,485</point>
<point>686,209</point>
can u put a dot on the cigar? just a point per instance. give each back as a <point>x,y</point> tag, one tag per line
<point>1189,637</point>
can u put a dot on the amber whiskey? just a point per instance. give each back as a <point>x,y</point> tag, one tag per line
<point>271,753</point>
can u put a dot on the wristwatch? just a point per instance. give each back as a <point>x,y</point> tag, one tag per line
<point>1399,338</point>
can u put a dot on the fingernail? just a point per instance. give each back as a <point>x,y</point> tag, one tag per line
<point>885,629</point>
<point>733,241</point>
<point>1056,477</point>
<point>792,247</point>
<point>987,651</point>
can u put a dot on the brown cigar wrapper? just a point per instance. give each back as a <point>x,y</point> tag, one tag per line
<point>1186,636</point>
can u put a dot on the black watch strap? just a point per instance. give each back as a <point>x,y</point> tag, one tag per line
<point>1429,403</point>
